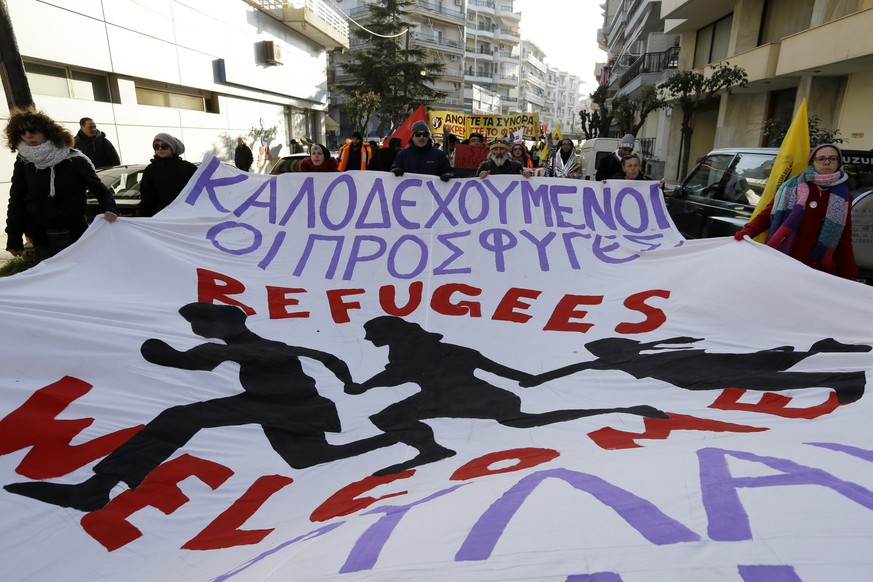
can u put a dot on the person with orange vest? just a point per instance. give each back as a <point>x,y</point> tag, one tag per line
<point>354,154</point>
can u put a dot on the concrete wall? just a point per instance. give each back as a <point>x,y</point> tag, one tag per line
<point>167,44</point>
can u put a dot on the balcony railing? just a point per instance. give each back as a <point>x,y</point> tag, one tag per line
<point>651,63</point>
<point>314,19</point>
<point>647,147</point>
<point>436,8</point>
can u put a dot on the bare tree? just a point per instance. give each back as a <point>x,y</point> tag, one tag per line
<point>691,89</point>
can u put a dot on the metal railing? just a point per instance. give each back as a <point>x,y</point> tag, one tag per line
<point>651,63</point>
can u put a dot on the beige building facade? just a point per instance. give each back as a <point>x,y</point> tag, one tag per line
<point>818,50</point>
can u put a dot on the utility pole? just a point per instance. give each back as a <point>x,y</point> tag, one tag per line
<point>12,74</point>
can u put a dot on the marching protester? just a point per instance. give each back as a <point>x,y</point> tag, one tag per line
<point>354,154</point>
<point>810,218</point>
<point>476,139</point>
<point>609,166</point>
<point>242,156</point>
<point>500,162</point>
<point>420,157</point>
<point>632,169</point>
<point>50,181</point>
<point>565,161</point>
<point>165,176</point>
<point>319,160</point>
<point>520,155</point>
<point>387,155</point>
<point>93,143</point>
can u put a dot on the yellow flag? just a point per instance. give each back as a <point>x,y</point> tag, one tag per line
<point>554,139</point>
<point>792,159</point>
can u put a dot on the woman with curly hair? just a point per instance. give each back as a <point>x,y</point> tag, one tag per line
<point>50,182</point>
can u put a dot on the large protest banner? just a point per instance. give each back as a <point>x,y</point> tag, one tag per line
<point>491,126</point>
<point>363,377</point>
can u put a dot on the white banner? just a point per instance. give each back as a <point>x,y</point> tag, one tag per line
<point>362,377</point>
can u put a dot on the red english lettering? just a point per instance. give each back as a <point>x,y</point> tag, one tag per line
<point>388,299</point>
<point>512,300</point>
<point>224,530</point>
<point>566,310</point>
<point>524,459</point>
<point>278,301</point>
<point>160,490</point>
<point>654,316</point>
<point>346,500</point>
<point>34,424</point>
<point>441,301</point>
<point>214,287</point>
<point>339,309</point>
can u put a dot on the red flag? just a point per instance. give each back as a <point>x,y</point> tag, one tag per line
<point>404,132</point>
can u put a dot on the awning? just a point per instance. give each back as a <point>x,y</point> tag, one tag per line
<point>330,124</point>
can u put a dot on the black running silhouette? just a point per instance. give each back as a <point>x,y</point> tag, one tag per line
<point>278,395</point>
<point>696,369</point>
<point>449,389</point>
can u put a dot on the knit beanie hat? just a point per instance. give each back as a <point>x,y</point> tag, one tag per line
<point>499,143</point>
<point>420,126</point>
<point>826,145</point>
<point>176,146</point>
<point>627,141</point>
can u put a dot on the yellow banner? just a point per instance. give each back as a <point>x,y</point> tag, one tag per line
<point>491,126</point>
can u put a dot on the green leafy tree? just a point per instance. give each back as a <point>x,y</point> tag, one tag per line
<point>391,65</point>
<point>775,131</point>
<point>690,90</point>
<point>359,108</point>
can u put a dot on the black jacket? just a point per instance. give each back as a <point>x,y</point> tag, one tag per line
<point>508,167</point>
<point>98,149</point>
<point>32,210</point>
<point>243,158</point>
<point>424,160</point>
<point>608,167</point>
<point>162,180</point>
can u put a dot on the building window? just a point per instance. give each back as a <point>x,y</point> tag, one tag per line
<point>784,17</point>
<point>177,100</point>
<point>66,82</point>
<point>712,42</point>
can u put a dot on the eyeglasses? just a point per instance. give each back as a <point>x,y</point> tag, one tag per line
<point>421,134</point>
<point>28,129</point>
<point>823,159</point>
<point>160,146</point>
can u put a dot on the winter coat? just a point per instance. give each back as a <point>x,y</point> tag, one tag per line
<point>328,165</point>
<point>423,160</point>
<point>243,157</point>
<point>98,149</point>
<point>508,167</point>
<point>162,180</point>
<point>32,211</point>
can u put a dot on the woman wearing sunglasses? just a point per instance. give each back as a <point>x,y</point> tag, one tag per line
<point>165,176</point>
<point>50,181</point>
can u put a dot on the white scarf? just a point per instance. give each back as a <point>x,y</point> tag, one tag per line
<point>48,155</point>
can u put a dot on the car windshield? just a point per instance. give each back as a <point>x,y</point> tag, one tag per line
<point>704,179</point>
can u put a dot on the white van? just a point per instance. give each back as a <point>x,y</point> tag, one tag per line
<point>593,150</point>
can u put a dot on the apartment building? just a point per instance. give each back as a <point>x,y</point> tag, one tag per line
<point>640,54</point>
<point>492,53</point>
<point>820,50</point>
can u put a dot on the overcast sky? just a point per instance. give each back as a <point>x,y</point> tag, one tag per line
<point>566,30</point>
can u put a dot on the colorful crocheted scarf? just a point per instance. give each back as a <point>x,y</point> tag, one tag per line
<point>790,204</point>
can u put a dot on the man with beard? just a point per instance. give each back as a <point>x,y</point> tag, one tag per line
<point>354,154</point>
<point>499,162</point>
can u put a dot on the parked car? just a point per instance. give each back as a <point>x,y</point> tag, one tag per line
<point>719,195</point>
<point>124,182</point>
<point>288,163</point>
